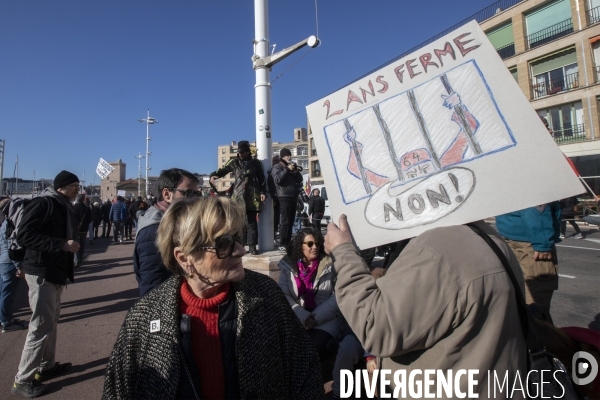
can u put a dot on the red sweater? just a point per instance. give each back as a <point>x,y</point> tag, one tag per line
<point>206,343</point>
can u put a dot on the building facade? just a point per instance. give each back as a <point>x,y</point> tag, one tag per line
<point>298,148</point>
<point>552,49</point>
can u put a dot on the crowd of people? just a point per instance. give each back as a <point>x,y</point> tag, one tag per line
<point>443,300</point>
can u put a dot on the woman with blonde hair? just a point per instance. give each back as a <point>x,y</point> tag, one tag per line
<point>213,330</point>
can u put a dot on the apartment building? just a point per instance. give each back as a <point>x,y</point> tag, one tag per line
<point>298,148</point>
<point>552,49</point>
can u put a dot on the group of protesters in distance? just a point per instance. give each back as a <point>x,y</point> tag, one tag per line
<point>205,327</point>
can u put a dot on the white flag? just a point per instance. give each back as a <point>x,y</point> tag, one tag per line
<point>103,169</point>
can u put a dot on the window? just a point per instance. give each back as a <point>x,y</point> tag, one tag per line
<point>514,73</point>
<point>549,22</point>
<point>303,163</point>
<point>223,150</point>
<point>565,122</point>
<point>555,73</point>
<point>316,169</point>
<point>595,43</point>
<point>324,193</point>
<point>593,11</point>
<point>223,159</point>
<point>302,150</point>
<point>312,146</point>
<point>503,40</point>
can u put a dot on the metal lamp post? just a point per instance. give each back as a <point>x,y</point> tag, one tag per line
<point>149,121</point>
<point>262,63</point>
<point>139,157</point>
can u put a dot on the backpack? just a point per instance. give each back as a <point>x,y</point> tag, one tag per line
<point>14,215</point>
<point>124,212</point>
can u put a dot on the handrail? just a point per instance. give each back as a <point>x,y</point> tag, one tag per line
<point>553,86</point>
<point>550,33</point>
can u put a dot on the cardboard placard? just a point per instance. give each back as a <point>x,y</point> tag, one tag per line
<point>103,169</point>
<point>443,136</point>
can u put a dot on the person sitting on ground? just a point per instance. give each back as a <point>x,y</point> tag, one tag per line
<point>306,279</point>
<point>173,184</point>
<point>567,215</point>
<point>225,332</point>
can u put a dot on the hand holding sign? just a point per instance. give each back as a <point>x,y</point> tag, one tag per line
<point>336,236</point>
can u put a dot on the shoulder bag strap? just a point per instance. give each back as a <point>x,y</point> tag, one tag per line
<point>534,344</point>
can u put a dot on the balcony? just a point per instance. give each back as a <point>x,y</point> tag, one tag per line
<point>550,33</point>
<point>593,15</point>
<point>574,134</point>
<point>314,152</point>
<point>554,86</point>
<point>315,173</point>
<point>506,51</point>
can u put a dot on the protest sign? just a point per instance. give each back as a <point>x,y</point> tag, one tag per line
<point>103,169</point>
<point>121,193</point>
<point>443,136</point>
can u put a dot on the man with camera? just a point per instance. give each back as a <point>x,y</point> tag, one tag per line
<point>288,180</point>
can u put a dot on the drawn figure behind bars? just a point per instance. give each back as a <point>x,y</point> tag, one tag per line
<point>355,165</point>
<point>457,149</point>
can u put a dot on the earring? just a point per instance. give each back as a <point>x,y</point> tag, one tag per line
<point>191,275</point>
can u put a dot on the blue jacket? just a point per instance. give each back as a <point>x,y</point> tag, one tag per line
<point>539,226</point>
<point>115,211</point>
<point>147,262</point>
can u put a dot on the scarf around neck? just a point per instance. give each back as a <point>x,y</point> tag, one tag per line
<point>305,283</point>
<point>162,205</point>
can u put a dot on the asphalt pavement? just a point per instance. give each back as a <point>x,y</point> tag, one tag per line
<point>94,307</point>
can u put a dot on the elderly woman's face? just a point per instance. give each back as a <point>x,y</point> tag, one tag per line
<point>310,253</point>
<point>214,270</point>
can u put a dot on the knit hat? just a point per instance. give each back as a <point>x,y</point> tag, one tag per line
<point>284,153</point>
<point>64,178</point>
<point>244,147</point>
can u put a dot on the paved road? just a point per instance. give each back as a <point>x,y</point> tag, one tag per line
<point>93,310</point>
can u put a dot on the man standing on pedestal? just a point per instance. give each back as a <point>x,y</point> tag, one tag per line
<point>48,230</point>
<point>249,186</point>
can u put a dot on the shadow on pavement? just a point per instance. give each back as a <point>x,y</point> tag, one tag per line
<point>99,277</point>
<point>72,380</point>
<point>133,293</point>
<point>124,305</point>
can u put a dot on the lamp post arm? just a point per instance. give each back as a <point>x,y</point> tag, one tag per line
<point>269,61</point>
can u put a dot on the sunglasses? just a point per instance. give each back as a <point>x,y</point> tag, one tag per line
<point>189,193</point>
<point>224,245</point>
<point>311,244</point>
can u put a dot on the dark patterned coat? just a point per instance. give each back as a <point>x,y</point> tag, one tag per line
<point>275,357</point>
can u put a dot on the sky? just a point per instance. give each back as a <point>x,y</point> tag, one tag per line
<point>76,75</point>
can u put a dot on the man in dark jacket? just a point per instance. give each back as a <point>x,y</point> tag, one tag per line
<point>48,230</point>
<point>249,186</point>
<point>83,217</point>
<point>106,218</point>
<point>173,184</point>
<point>117,215</point>
<point>272,189</point>
<point>316,209</point>
<point>287,180</point>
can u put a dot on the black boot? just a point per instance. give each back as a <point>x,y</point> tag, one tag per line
<point>252,249</point>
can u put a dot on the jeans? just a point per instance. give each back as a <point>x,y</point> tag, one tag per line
<point>563,226</point>
<point>117,230</point>
<point>349,354</point>
<point>40,344</point>
<point>287,205</point>
<point>91,231</point>
<point>128,227</point>
<point>8,287</point>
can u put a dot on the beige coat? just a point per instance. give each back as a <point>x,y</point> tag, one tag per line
<point>327,314</point>
<point>445,303</point>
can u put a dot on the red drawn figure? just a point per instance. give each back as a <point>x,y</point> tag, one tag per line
<point>355,166</point>
<point>457,149</point>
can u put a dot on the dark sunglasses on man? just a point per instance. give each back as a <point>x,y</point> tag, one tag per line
<point>224,245</point>
<point>189,193</point>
